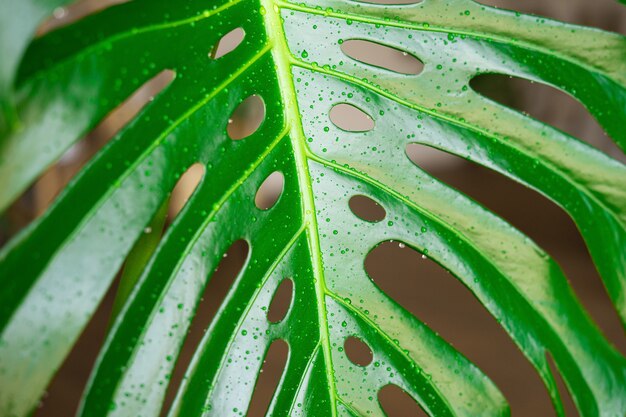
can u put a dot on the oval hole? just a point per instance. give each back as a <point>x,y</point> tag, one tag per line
<point>228,43</point>
<point>184,188</point>
<point>396,402</point>
<point>358,351</point>
<point>281,301</point>
<point>270,191</point>
<point>350,118</point>
<point>548,105</point>
<point>382,56</point>
<point>231,265</point>
<point>247,118</point>
<point>366,209</point>
<point>269,378</point>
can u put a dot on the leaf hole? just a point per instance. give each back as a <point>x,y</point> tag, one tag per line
<point>446,305</point>
<point>366,208</point>
<point>228,43</point>
<point>270,191</point>
<point>537,217</point>
<point>358,351</point>
<point>269,378</point>
<point>396,402</point>
<point>184,188</point>
<point>564,393</point>
<point>63,394</point>
<point>382,56</point>
<point>281,302</point>
<point>232,264</point>
<point>247,118</point>
<point>547,104</point>
<point>432,159</point>
<point>351,118</point>
<point>607,15</point>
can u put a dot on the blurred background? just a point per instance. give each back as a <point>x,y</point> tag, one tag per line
<point>415,282</point>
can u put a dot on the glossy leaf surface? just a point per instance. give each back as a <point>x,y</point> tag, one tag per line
<point>54,274</point>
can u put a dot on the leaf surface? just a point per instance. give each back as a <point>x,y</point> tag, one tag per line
<point>55,272</point>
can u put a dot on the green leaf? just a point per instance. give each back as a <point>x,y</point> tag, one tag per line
<point>138,258</point>
<point>19,21</point>
<point>55,272</point>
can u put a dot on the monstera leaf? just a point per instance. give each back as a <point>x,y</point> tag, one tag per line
<point>57,87</point>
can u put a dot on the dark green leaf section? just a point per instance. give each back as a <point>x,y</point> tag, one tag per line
<point>19,21</point>
<point>138,258</point>
<point>54,274</point>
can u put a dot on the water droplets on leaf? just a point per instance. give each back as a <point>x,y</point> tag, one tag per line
<point>232,263</point>
<point>537,100</point>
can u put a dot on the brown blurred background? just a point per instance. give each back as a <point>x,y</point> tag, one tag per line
<point>418,284</point>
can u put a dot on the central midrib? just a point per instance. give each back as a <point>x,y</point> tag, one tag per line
<point>282,59</point>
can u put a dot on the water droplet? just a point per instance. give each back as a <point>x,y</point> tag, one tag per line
<point>59,13</point>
